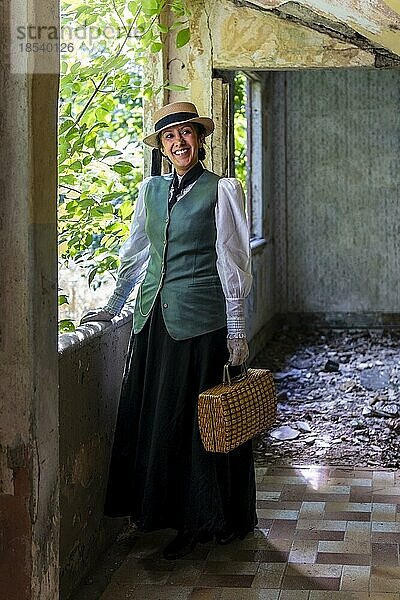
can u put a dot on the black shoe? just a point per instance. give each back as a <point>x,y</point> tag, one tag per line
<point>226,536</point>
<point>204,537</point>
<point>183,544</point>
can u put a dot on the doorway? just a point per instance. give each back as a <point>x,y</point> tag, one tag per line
<point>325,273</point>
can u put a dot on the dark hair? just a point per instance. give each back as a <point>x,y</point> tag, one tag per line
<point>201,132</point>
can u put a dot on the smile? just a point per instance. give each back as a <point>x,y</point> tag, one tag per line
<point>181,151</point>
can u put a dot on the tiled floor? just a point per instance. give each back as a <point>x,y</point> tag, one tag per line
<point>324,533</point>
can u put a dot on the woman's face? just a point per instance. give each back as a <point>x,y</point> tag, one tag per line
<point>181,145</point>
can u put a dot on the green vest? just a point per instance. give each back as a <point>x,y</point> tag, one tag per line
<point>182,264</point>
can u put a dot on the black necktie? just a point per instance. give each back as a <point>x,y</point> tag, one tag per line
<point>177,187</point>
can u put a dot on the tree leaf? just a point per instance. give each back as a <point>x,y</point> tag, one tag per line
<point>112,153</point>
<point>92,18</point>
<point>109,240</point>
<point>68,179</point>
<point>102,114</point>
<point>182,37</point>
<point>62,299</point>
<point>133,6</point>
<point>178,8</point>
<point>111,196</point>
<point>175,88</point>
<point>65,125</point>
<point>86,202</point>
<point>126,210</point>
<point>150,7</point>
<point>102,209</point>
<point>76,166</point>
<point>66,326</point>
<point>156,47</point>
<point>123,167</point>
<point>82,9</point>
<point>92,275</point>
<point>108,103</point>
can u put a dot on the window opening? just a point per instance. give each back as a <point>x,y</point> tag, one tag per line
<point>240,127</point>
<point>247,134</point>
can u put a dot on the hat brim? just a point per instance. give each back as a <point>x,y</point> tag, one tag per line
<point>151,140</point>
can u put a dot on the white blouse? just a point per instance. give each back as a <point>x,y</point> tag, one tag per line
<point>232,248</point>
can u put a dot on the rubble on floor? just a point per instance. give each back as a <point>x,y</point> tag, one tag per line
<point>338,398</point>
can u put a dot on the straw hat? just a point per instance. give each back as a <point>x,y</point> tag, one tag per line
<point>174,114</point>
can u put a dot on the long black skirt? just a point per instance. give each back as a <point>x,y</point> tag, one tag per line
<point>160,473</point>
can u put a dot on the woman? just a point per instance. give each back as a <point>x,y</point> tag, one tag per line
<point>189,248</point>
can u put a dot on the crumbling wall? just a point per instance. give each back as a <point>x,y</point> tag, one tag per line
<point>374,26</point>
<point>29,515</point>
<point>91,364</point>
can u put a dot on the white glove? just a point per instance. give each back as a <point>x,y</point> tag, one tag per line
<point>98,314</point>
<point>238,351</point>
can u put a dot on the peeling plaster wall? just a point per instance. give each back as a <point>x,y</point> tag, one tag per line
<point>29,511</point>
<point>244,37</point>
<point>335,190</point>
<point>375,23</point>
<point>91,366</point>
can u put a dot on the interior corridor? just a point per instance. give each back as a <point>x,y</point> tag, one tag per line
<point>326,530</point>
<point>324,533</point>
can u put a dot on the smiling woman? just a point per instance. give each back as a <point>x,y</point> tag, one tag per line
<point>180,145</point>
<point>189,248</point>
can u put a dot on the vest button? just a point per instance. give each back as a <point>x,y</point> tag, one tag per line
<point>165,242</point>
<point>166,219</point>
<point>165,305</point>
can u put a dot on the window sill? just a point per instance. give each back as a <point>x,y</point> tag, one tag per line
<point>88,331</point>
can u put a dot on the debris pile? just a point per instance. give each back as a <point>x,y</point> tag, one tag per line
<point>338,398</point>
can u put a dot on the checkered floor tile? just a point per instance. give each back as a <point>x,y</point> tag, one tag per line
<point>324,533</point>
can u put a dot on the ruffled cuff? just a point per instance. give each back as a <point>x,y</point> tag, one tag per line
<point>235,318</point>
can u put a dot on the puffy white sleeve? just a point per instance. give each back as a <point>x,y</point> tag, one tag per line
<point>134,256</point>
<point>233,252</point>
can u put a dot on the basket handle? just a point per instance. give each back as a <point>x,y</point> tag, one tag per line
<point>227,379</point>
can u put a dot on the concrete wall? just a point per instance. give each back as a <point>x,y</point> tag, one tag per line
<point>91,363</point>
<point>260,303</point>
<point>29,515</point>
<point>335,187</point>
<point>371,25</point>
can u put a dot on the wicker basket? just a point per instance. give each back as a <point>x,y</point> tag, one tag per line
<point>236,410</point>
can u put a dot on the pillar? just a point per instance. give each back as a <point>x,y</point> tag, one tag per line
<point>29,512</point>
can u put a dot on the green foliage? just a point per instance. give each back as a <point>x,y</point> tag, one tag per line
<point>240,127</point>
<point>183,37</point>
<point>100,122</point>
<point>66,326</point>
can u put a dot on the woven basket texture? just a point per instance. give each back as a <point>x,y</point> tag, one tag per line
<point>231,414</point>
